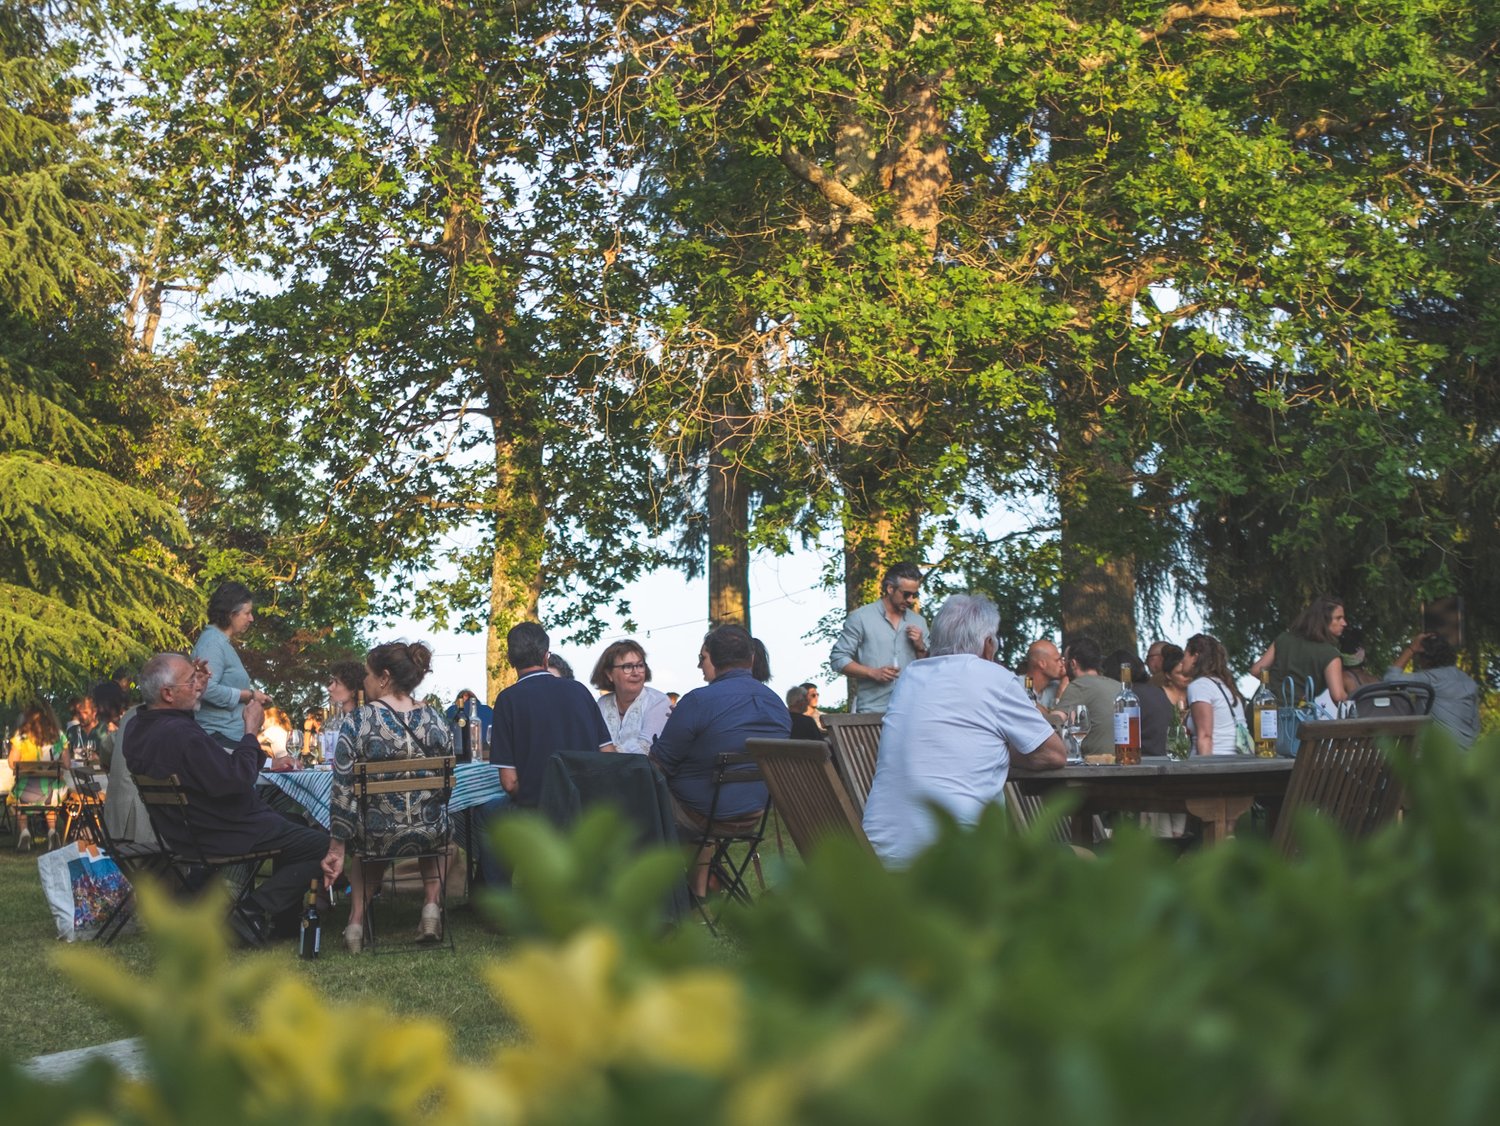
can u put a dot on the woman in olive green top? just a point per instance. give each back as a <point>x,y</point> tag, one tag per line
<point>1309,649</point>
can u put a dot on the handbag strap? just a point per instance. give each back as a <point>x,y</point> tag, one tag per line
<point>412,735</point>
<point>1289,691</point>
<point>1227,700</point>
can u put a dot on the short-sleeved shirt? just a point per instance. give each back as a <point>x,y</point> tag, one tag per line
<point>715,720</point>
<point>947,739</point>
<point>1212,691</point>
<point>1098,694</point>
<point>868,638</point>
<point>537,716</point>
<point>1299,658</point>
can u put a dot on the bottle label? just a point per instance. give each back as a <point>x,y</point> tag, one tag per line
<point>1122,729</point>
<point>1265,722</point>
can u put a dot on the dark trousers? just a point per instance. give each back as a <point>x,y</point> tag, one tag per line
<point>495,872</point>
<point>300,863</point>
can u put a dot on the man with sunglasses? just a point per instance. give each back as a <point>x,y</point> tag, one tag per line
<point>882,638</point>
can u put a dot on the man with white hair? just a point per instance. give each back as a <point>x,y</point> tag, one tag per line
<point>954,722</point>
<point>225,813</point>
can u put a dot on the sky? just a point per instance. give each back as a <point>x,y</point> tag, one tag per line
<point>786,605</point>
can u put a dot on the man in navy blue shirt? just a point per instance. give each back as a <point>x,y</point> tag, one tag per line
<point>714,720</point>
<point>536,716</point>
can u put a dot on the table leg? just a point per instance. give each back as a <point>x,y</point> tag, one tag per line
<point>1218,815</point>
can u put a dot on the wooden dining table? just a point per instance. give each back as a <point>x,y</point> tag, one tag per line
<point>1217,789</point>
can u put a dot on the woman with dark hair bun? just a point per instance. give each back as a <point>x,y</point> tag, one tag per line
<point>392,725</point>
<point>231,611</point>
<point>1309,649</point>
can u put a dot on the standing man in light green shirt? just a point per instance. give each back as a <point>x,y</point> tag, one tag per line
<point>882,638</point>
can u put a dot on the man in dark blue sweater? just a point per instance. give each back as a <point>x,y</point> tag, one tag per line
<point>535,717</point>
<point>225,813</point>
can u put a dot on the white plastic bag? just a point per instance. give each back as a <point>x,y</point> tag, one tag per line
<point>83,887</point>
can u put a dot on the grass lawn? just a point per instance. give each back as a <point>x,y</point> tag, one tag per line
<point>46,1014</point>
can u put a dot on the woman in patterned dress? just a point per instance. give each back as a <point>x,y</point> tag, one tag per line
<point>392,725</point>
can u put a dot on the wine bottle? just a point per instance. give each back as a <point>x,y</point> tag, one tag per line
<point>1263,708</point>
<point>1127,722</point>
<point>1031,693</point>
<point>312,925</point>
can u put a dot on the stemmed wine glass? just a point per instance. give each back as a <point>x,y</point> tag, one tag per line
<point>1077,726</point>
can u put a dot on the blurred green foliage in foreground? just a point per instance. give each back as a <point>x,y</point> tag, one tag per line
<point>1000,978</point>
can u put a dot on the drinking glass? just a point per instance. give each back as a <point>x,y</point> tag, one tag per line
<point>1077,726</point>
<point>294,744</point>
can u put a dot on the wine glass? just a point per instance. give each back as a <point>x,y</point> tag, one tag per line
<point>1082,725</point>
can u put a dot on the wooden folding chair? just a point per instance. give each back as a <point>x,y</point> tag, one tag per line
<point>43,772</point>
<point>168,806</point>
<point>855,740</point>
<point>810,797</point>
<point>1343,773</point>
<point>417,779</point>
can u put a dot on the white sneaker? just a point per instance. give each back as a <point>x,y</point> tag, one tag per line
<point>23,842</point>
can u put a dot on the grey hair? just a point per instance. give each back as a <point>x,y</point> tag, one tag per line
<point>796,699</point>
<point>963,625</point>
<point>156,674</point>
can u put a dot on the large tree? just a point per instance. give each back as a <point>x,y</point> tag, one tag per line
<point>1145,257</point>
<point>89,571</point>
<point>408,211</point>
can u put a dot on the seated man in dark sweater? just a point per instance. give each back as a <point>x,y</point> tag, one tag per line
<point>225,812</point>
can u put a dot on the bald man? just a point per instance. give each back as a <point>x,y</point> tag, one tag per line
<point>1044,664</point>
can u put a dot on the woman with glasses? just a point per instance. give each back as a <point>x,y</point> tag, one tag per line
<point>634,712</point>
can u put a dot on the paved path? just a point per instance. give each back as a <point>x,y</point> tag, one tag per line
<point>126,1054</point>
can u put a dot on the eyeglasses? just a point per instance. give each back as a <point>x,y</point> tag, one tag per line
<point>909,595</point>
<point>633,666</point>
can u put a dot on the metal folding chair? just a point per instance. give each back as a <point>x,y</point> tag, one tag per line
<point>167,803</point>
<point>43,772</point>
<point>722,837</point>
<point>417,779</point>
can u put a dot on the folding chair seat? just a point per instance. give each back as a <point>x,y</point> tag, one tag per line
<point>192,865</point>
<point>415,779</point>
<point>720,837</point>
<point>135,860</point>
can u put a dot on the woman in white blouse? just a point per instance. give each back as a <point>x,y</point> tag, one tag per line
<point>633,712</point>
<point>1214,705</point>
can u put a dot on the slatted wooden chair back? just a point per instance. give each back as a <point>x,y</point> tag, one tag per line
<point>807,791</point>
<point>409,776</point>
<point>1024,809</point>
<point>855,740</point>
<point>405,776</point>
<point>1343,773</point>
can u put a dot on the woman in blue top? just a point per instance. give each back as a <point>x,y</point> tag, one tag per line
<point>231,610</point>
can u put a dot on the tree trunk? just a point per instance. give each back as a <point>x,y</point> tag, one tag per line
<point>728,530</point>
<point>1093,492</point>
<point>520,536</point>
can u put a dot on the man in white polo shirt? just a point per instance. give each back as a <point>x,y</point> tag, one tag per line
<point>954,722</point>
